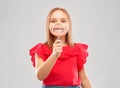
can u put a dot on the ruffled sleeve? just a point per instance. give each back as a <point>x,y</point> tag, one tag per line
<point>38,49</point>
<point>81,60</point>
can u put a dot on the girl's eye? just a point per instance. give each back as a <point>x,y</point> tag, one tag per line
<point>52,21</point>
<point>63,21</point>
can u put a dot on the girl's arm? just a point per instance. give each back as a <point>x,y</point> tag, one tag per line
<point>43,68</point>
<point>85,83</point>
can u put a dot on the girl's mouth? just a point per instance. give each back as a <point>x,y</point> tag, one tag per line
<point>58,30</point>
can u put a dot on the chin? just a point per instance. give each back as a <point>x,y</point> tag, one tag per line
<point>59,34</point>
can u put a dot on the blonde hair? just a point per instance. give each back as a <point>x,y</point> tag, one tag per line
<point>50,38</point>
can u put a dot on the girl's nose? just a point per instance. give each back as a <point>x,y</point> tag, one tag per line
<point>58,24</point>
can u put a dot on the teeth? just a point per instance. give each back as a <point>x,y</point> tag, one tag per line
<point>58,31</point>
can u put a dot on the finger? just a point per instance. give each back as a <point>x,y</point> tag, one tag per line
<point>58,41</point>
<point>58,48</point>
<point>58,45</point>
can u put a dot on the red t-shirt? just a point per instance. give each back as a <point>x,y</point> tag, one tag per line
<point>67,66</point>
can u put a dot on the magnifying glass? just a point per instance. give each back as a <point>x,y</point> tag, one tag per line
<point>59,26</point>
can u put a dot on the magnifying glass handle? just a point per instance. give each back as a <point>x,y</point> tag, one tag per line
<point>58,37</point>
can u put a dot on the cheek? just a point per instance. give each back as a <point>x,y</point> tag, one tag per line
<point>51,26</point>
<point>66,26</point>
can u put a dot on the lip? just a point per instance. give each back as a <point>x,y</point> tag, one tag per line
<point>58,28</point>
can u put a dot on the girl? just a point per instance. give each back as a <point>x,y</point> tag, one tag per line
<point>59,62</point>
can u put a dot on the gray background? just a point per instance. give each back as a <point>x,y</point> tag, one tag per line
<point>95,22</point>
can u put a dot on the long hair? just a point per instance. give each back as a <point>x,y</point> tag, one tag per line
<point>50,38</point>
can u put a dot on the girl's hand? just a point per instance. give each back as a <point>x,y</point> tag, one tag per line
<point>57,48</point>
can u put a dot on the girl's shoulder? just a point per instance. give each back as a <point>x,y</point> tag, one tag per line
<point>81,45</point>
<point>39,46</point>
<point>41,49</point>
<point>78,49</point>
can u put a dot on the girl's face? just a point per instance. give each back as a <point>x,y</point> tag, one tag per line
<point>58,23</point>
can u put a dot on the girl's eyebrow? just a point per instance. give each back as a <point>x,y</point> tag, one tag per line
<point>52,19</point>
<point>60,18</point>
<point>64,18</point>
